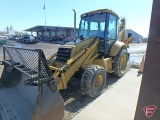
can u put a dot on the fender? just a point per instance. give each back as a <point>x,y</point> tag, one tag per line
<point>116,48</point>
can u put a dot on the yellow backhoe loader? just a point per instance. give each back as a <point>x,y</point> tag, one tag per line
<point>30,83</point>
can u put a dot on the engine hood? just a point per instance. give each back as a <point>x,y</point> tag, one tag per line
<point>79,44</point>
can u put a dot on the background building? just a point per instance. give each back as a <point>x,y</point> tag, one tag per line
<point>135,35</point>
<point>52,31</point>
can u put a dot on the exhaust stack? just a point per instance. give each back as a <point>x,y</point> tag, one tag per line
<point>74,24</point>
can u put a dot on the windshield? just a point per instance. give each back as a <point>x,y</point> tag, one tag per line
<point>93,25</point>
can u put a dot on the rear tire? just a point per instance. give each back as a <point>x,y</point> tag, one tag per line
<point>93,80</point>
<point>120,63</point>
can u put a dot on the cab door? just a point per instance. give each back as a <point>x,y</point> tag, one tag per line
<point>111,33</point>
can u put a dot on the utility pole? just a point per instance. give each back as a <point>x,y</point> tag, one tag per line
<point>7,29</point>
<point>44,7</point>
<point>148,106</point>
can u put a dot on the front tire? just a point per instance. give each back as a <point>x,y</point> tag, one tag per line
<point>93,80</point>
<point>120,63</point>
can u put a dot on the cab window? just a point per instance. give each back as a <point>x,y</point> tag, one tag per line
<point>112,27</point>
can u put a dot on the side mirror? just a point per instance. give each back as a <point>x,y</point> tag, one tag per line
<point>129,35</point>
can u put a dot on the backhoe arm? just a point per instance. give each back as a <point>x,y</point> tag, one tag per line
<point>122,33</point>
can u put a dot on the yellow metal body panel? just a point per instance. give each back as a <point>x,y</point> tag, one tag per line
<point>116,48</point>
<point>106,63</point>
<point>79,46</point>
<point>128,41</point>
<point>58,65</point>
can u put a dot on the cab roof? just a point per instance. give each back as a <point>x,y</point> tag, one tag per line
<point>100,10</point>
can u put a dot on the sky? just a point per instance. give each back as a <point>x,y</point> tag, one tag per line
<point>23,14</point>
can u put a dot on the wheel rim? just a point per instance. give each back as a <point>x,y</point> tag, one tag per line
<point>123,62</point>
<point>99,82</point>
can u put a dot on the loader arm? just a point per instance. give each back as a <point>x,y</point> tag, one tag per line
<point>78,61</point>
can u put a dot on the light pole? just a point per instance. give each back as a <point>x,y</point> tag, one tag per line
<point>45,22</point>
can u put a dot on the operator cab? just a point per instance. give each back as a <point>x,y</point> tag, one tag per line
<point>101,24</point>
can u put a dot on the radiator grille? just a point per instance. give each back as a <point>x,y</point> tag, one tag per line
<point>63,55</point>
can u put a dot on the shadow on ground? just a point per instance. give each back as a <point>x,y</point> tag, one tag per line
<point>75,101</point>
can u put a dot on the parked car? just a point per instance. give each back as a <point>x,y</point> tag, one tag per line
<point>4,37</point>
<point>28,39</point>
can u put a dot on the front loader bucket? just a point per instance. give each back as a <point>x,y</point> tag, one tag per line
<point>27,88</point>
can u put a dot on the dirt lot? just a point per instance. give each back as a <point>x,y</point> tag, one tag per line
<point>74,101</point>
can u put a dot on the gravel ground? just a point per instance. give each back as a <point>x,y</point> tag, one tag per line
<point>74,100</point>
